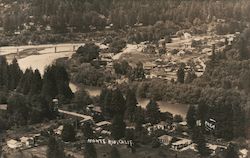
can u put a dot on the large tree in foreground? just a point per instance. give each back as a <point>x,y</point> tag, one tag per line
<point>191,117</point>
<point>118,127</point>
<point>153,113</point>
<point>88,52</point>
<point>199,138</point>
<point>231,152</point>
<point>131,104</point>
<point>68,133</point>
<point>55,148</point>
<point>180,75</point>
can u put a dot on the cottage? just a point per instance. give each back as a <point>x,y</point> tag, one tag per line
<point>178,145</point>
<point>27,141</point>
<point>165,139</point>
<point>14,144</point>
<point>243,153</point>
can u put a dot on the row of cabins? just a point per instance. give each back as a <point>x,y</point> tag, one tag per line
<point>23,142</point>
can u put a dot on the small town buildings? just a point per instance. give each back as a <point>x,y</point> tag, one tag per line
<point>165,139</point>
<point>14,144</point>
<point>58,130</point>
<point>243,153</point>
<point>27,141</point>
<point>215,148</point>
<point>160,126</point>
<point>178,145</point>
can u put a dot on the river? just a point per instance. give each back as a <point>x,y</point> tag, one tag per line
<point>165,106</point>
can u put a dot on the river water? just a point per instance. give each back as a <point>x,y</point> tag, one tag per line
<point>165,106</point>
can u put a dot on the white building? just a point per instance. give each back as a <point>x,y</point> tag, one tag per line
<point>14,144</point>
<point>178,145</point>
<point>165,139</point>
<point>27,141</point>
<point>59,130</point>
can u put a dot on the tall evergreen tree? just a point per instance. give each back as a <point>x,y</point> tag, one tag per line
<point>153,113</point>
<point>199,138</point>
<point>49,89</point>
<point>191,117</point>
<point>231,152</point>
<point>55,148</point>
<point>117,105</point>
<point>140,119</point>
<point>4,80</point>
<point>90,150</point>
<point>131,104</point>
<point>36,84</point>
<point>68,133</point>
<point>87,131</point>
<point>15,74</point>
<point>118,127</point>
<point>106,108</point>
<point>24,85</point>
<point>180,75</point>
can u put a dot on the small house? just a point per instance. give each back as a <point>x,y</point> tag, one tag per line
<point>178,145</point>
<point>243,153</point>
<point>165,139</point>
<point>27,141</point>
<point>14,144</point>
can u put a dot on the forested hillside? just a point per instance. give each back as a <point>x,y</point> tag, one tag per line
<point>86,15</point>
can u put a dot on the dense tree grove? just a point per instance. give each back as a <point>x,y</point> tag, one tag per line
<point>88,15</point>
<point>10,74</point>
<point>87,53</point>
<point>89,75</point>
<point>28,95</point>
<point>56,83</point>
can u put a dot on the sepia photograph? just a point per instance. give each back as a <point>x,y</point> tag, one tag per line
<point>124,78</point>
